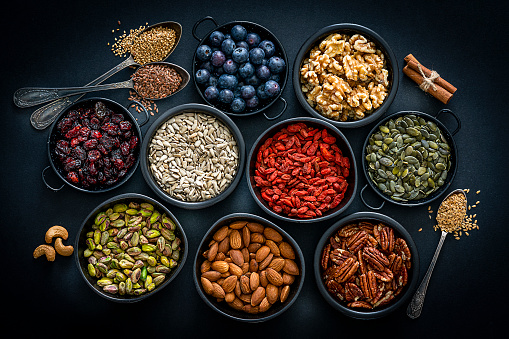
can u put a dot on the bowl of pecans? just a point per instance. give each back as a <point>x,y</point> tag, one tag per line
<point>366,265</point>
<point>248,268</point>
<point>193,156</point>
<point>346,74</point>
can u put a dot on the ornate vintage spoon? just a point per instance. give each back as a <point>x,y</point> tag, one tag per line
<point>415,307</point>
<point>44,116</point>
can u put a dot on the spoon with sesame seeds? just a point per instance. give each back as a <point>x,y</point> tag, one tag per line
<point>44,116</point>
<point>450,216</point>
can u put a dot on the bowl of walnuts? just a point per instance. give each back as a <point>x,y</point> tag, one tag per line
<point>346,74</point>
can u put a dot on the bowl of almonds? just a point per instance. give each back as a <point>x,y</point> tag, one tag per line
<point>366,265</point>
<point>193,156</point>
<point>248,268</point>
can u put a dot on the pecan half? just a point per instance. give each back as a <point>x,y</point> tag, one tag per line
<point>325,257</point>
<point>353,292</point>
<point>401,248</point>
<point>375,258</point>
<point>357,241</point>
<point>348,230</point>
<point>387,239</point>
<point>346,270</point>
<point>338,256</point>
<point>360,304</point>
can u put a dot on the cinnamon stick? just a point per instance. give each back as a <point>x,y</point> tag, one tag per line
<point>438,92</point>
<point>413,63</point>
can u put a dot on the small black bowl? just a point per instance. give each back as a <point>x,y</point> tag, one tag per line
<point>222,307</point>
<point>341,142</point>
<point>86,226</point>
<point>451,172</point>
<point>198,108</point>
<point>264,33</point>
<point>348,28</point>
<point>413,272</point>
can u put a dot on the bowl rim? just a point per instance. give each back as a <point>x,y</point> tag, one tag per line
<point>273,129</point>
<point>450,176</point>
<point>413,275</point>
<point>250,318</point>
<point>273,38</point>
<point>53,131</point>
<point>200,108</point>
<point>111,201</point>
<point>390,56</point>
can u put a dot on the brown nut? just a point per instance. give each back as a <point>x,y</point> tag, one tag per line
<point>62,249</point>
<point>46,250</point>
<point>55,231</point>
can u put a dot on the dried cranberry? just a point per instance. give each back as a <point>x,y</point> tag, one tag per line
<point>93,155</point>
<point>95,134</point>
<point>102,149</point>
<point>116,118</point>
<point>124,148</point>
<point>92,181</point>
<point>84,131</point>
<point>63,146</point>
<point>107,142</point>
<point>71,163</point>
<point>107,162</point>
<point>94,123</point>
<point>125,125</point>
<point>128,134</point>
<point>129,161</point>
<point>133,142</point>
<point>73,132</point>
<point>92,169</point>
<point>101,110</point>
<point>79,153</point>
<point>90,144</point>
<point>64,125</point>
<point>119,163</point>
<point>73,177</point>
<point>116,154</point>
<point>110,128</point>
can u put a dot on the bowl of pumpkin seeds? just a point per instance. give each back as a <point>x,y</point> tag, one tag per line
<point>410,158</point>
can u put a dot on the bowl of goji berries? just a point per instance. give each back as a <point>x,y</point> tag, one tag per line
<point>302,170</point>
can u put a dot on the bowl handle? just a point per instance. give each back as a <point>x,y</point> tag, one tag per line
<point>368,205</point>
<point>195,27</point>
<point>134,102</point>
<point>285,104</point>
<point>446,110</point>
<point>48,185</point>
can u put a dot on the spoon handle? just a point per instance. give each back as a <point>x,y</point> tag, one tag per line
<point>415,307</point>
<point>30,96</point>
<point>45,115</point>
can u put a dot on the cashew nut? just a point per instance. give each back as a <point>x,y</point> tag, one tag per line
<point>56,231</point>
<point>62,249</point>
<point>46,250</point>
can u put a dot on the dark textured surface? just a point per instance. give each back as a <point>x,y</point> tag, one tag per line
<point>65,44</point>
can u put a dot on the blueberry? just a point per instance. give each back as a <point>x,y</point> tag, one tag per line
<point>240,55</point>
<point>262,72</point>
<point>211,93</point>
<point>213,80</point>
<point>202,76</point>
<point>268,47</point>
<point>238,105</point>
<point>203,52</point>
<point>247,91</point>
<point>218,58</point>
<point>230,66</point>
<point>271,88</point>
<point>226,96</point>
<point>238,32</point>
<point>253,80</point>
<point>252,102</point>
<point>208,66</point>
<point>228,46</point>
<point>253,39</point>
<point>237,93</point>
<point>276,65</point>
<point>227,81</point>
<point>260,92</point>
<point>216,38</point>
<point>242,44</point>
<point>256,55</point>
<point>246,70</point>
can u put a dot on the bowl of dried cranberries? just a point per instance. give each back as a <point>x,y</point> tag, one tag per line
<point>94,145</point>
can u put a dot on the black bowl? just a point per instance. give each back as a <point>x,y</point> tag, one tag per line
<point>86,226</point>
<point>315,39</point>
<point>222,307</point>
<point>451,172</point>
<point>54,136</point>
<point>264,33</point>
<point>341,142</point>
<point>200,108</point>
<point>413,272</point>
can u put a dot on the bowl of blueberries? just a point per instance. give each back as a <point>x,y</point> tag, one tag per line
<point>240,68</point>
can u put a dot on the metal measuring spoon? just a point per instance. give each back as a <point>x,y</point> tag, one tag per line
<point>415,307</point>
<point>44,116</point>
<point>37,95</point>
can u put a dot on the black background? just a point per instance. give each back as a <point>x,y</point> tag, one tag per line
<point>55,44</point>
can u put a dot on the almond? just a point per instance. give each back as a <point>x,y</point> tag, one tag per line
<point>253,247</point>
<point>235,239</point>
<point>205,266</point>
<point>229,283</point>
<point>245,254</point>
<point>220,256</point>
<point>291,267</point>
<point>274,249</point>
<point>237,289</point>
<point>246,236</point>
<point>274,277</point>
<point>285,291</point>
<point>264,305</point>
<point>257,296</point>
<point>286,250</point>
<point>272,234</point>
<point>251,309</point>
<point>277,264</point>
<point>257,237</point>
<point>288,279</point>
<point>262,253</point>
<point>244,284</point>
<point>263,278</point>
<point>235,269</point>
<point>221,234</point>
<point>220,266</point>
<point>211,275</point>
<point>272,293</point>
<point>224,245</point>
<point>217,291</point>
<point>237,225</point>
<point>237,257</point>
<point>253,265</point>
<point>254,281</point>
<point>246,298</point>
<point>255,227</point>
<point>237,304</point>
<point>207,285</point>
<point>212,252</point>
<point>266,262</point>
<point>245,268</point>
<point>229,297</point>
